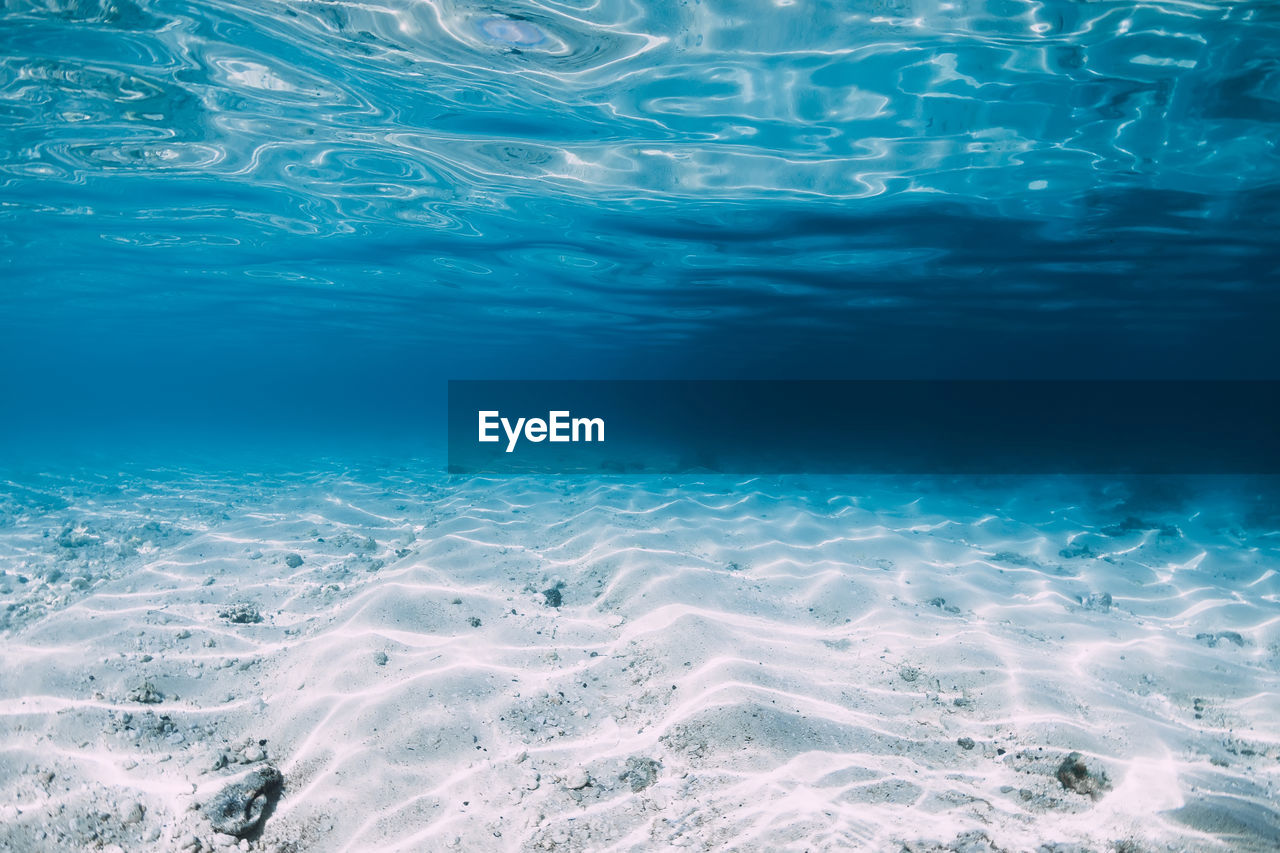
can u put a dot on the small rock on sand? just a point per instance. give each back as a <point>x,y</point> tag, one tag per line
<point>293,560</point>
<point>1213,639</point>
<point>1076,776</point>
<point>641,772</point>
<point>242,614</point>
<point>966,743</point>
<point>576,779</point>
<point>240,808</point>
<point>973,841</point>
<point>941,604</point>
<point>146,693</point>
<point>1100,601</point>
<point>380,658</point>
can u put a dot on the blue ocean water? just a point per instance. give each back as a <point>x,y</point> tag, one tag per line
<point>293,213</point>
<point>244,245</point>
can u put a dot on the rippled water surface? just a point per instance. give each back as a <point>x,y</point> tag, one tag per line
<point>875,186</point>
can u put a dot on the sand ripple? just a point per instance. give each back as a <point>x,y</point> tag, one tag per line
<point>813,663</point>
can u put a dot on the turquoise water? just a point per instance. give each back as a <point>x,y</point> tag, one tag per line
<point>218,205</point>
<point>243,245</point>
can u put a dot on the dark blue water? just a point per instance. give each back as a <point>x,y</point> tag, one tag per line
<point>240,217</point>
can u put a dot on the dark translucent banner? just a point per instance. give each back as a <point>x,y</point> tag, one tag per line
<point>881,427</point>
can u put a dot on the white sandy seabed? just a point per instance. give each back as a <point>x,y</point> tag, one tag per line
<point>634,664</point>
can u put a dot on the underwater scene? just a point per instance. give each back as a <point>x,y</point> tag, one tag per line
<point>247,603</point>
